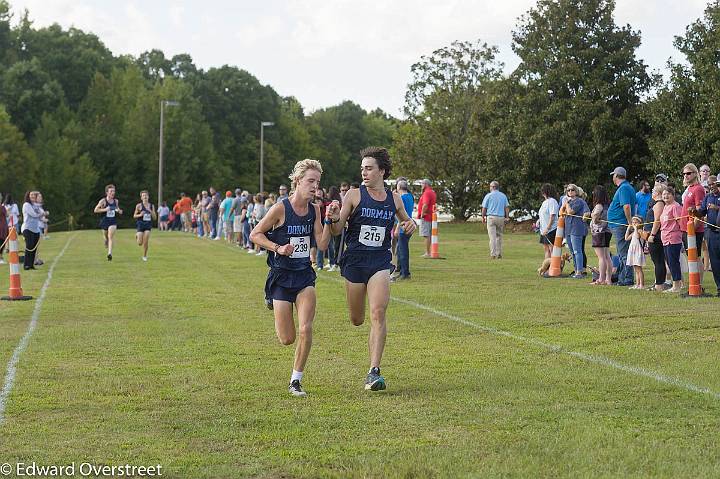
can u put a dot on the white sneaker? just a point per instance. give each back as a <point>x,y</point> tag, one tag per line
<point>251,251</point>
<point>260,253</point>
<point>2,261</point>
<point>145,258</point>
<point>333,268</point>
<point>328,266</point>
<point>217,238</point>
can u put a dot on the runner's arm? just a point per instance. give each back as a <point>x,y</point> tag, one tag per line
<point>352,198</point>
<point>259,234</point>
<point>101,207</point>
<point>321,230</point>
<point>137,213</point>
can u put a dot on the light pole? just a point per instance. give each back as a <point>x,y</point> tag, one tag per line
<point>263,124</point>
<point>163,103</point>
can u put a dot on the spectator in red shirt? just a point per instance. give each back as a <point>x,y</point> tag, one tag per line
<point>426,204</point>
<point>691,202</point>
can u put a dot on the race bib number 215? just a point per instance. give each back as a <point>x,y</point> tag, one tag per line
<point>372,235</point>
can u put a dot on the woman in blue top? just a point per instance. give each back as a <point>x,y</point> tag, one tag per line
<point>575,228</point>
<point>110,208</point>
<point>288,231</point>
<point>144,214</point>
<point>370,214</point>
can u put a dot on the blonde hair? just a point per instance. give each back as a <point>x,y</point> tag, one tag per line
<point>691,167</point>
<point>659,188</point>
<point>269,202</point>
<point>302,167</point>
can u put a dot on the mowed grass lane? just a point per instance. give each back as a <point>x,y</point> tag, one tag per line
<point>176,362</point>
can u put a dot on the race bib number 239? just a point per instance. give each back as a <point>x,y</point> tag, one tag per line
<point>301,246</point>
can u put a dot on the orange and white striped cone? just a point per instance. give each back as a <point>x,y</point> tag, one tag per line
<point>434,245</point>
<point>694,288</point>
<point>556,255</point>
<point>16,292</point>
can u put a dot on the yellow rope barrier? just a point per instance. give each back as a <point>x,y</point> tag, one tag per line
<point>27,250</point>
<point>641,224</point>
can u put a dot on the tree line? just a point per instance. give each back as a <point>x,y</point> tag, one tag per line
<point>579,103</point>
<point>74,117</point>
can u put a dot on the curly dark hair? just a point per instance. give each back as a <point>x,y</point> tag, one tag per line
<point>382,157</point>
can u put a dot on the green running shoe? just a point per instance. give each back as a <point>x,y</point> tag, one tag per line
<point>374,381</point>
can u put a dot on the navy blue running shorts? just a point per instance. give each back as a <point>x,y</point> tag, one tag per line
<point>144,226</point>
<point>359,267</point>
<point>285,285</point>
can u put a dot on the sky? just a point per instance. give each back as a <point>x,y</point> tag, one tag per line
<point>326,51</point>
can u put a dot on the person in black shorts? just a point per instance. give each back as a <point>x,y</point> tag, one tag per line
<point>370,212</point>
<point>110,208</point>
<point>144,214</point>
<point>287,232</point>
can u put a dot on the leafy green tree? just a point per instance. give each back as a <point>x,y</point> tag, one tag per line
<point>17,160</point>
<point>66,175</point>
<point>28,91</point>
<point>445,137</point>
<point>685,114</point>
<point>70,57</point>
<point>582,85</point>
<point>7,37</point>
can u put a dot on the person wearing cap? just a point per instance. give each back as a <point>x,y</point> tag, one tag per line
<point>710,208</point>
<point>427,202</point>
<point>495,213</point>
<point>403,247</point>
<point>619,217</point>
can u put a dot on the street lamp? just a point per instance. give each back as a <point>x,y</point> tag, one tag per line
<point>263,124</point>
<point>163,104</point>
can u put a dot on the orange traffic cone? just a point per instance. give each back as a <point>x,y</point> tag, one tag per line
<point>694,287</point>
<point>16,292</point>
<point>434,246</point>
<point>556,255</point>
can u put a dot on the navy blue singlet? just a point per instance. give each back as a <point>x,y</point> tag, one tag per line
<point>370,224</point>
<point>298,231</point>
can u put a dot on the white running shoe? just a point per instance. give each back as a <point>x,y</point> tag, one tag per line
<point>260,253</point>
<point>251,251</point>
<point>2,261</point>
<point>145,258</point>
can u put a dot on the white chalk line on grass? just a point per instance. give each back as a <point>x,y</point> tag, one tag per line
<point>590,358</point>
<point>15,359</point>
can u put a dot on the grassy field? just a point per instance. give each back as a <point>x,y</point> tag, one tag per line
<point>491,370</point>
